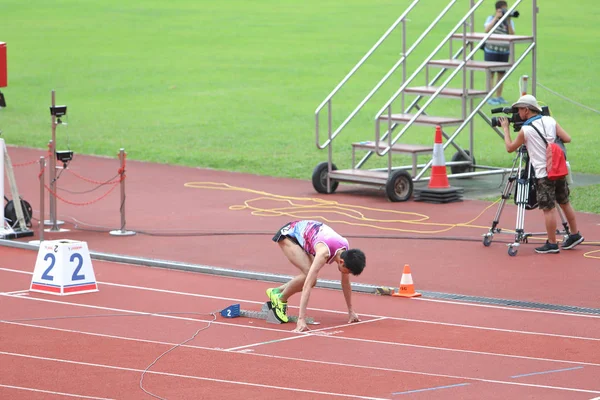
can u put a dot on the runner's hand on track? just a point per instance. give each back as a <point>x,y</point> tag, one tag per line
<point>352,317</point>
<point>301,326</point>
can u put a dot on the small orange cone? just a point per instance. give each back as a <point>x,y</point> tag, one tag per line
<point>439,176</point>
<point>407,288</point>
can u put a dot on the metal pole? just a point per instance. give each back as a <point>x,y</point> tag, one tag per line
<point>53,222</point>
<point>52,174</point>
<point>534,53</point>
<point>122,231</point>
<point>42,198</point>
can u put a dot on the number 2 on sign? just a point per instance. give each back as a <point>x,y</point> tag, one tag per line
<point>46,275</point>
<point>75,277</point>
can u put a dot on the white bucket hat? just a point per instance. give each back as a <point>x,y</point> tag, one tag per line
<point>528,101</point>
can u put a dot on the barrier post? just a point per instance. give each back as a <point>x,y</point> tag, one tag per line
<point>41,178</point>
<point>42,198</point>
<point>53,222</point>
<point>523,85</point>
<point>3,72</point>
<point>122,231</point>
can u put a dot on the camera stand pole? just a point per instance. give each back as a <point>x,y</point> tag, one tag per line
<point>52,174</point>
<point>521,199</point>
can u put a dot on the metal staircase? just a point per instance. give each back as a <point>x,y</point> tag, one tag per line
<point>394,119</point>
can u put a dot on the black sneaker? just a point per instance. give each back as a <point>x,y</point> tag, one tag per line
<point>548,248</point>
<point>573,240</point>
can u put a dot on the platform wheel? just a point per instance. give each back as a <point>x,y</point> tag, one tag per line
<point>459,169</point>
<point>512,251</point>
<point>487,240</point>
<point>399,186</point>
<point>319,178</point>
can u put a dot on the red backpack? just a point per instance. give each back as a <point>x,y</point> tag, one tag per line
<point>556,163</point>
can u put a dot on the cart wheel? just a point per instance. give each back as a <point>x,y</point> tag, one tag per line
<point>487,240</point>
<point>399,186</point>
<point>512,251</point>
<point>459,169</point>
<point>319,178</point>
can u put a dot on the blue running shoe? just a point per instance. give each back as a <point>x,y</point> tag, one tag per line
<point>493,101</point>
<point>501,100</point>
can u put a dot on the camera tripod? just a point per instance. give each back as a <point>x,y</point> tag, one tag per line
<point>523,175</point>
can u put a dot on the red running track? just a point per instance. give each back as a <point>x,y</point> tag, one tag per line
<point>98,345</point>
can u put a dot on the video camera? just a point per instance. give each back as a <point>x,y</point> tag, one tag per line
<point>514,14</point>
<point>514,119</point>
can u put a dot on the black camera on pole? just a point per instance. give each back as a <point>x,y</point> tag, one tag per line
<point>514,14</point>
<point>514,119</point>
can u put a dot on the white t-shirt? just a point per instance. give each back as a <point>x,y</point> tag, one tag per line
<point>536,148</point>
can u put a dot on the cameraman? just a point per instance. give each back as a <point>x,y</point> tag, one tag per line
<point>549,192</point>
<point>498,52</point>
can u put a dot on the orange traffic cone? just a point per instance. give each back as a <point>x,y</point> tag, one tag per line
<point>407,288</point>
<point>439,176</point>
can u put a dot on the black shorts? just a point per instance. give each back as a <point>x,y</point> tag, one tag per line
<point>496,57</point>
<point>282,234</point>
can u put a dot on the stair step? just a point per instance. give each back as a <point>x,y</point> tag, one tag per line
<point>494,39</point>
<point>446,92</point>
<point>473,65</point>
<point>360,176</point>
<point>427,120</point>
<point>396,148</point>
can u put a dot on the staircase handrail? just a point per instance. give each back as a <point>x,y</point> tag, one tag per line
<point>353,70</point>
<point>385,77</point>
<point>446,82</point>
<point>480,105</point>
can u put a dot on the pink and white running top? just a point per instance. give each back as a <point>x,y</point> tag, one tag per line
<point>308,233</point>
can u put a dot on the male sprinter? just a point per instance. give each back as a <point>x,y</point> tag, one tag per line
<point>309,245</point>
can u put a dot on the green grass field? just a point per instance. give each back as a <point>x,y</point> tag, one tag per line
<point>233,85</point>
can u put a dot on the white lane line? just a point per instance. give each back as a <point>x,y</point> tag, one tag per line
<point>200,378</point>
<point>365,315</point>
<point>368,341</point>
<point>368,368</point>
<point>79,396</point>
<point>484,353</point>
<point>315,332</point>
<point>450,302</point>
<point>18,292</point>
<point>125,311</point>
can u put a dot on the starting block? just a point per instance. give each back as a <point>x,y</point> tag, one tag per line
<point>266,313</point>
<point>63,267</point>
<point>231,311</point>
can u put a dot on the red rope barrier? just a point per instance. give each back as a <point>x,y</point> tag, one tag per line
<point>93,181</point>
<point>26,163</point>
<point>81,204</point>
